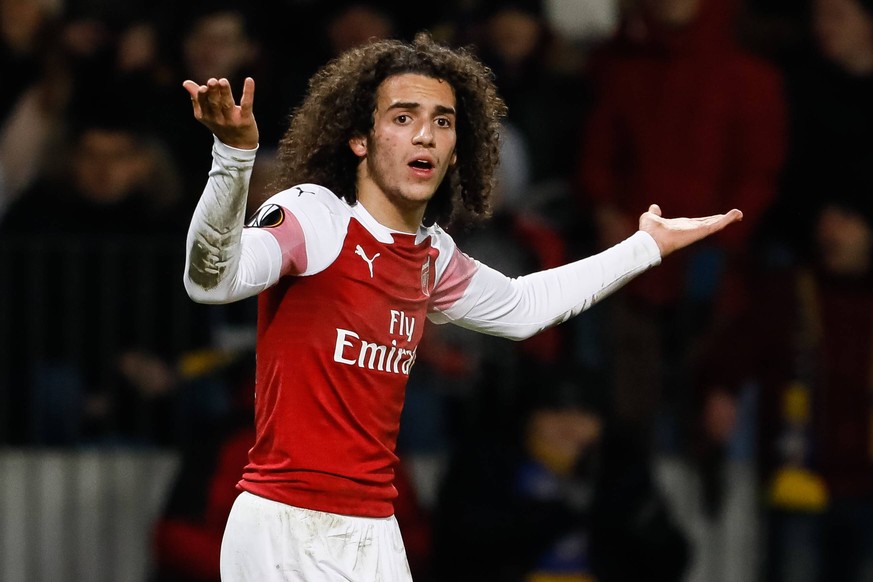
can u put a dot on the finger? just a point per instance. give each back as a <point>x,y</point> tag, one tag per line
<point>732,216</point>
<point>719,222</point>
<point>247,100</point>
<point>194,91</point>
<point>212,96</point>
<point>225,94</point>
<point>655,209</point>
<point>191,87</point>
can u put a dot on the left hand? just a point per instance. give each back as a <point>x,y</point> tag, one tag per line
<point>673,234</point>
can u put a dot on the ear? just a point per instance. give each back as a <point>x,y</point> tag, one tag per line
<point>358,144</point>
<point>454,159</point>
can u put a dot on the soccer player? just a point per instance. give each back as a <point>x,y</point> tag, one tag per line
<point>349,260</point>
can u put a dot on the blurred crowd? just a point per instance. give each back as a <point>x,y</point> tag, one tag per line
<point>541,452</point>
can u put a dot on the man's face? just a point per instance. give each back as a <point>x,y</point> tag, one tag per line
<point>673,12</point>
<point>109,165</point>
<point>217,46</point>
<point>411,146</point>
<point>514,34</point>
<point>842,29</point>
<point>845,241</point>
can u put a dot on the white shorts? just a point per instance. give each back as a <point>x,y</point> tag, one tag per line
<point>267,541</point>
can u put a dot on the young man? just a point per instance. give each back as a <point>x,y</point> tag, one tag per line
<point>349,261</point>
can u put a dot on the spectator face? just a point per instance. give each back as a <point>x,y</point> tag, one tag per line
<point>514,34</point>
<point>109,165</point>
<point>843,29</point>
<point>845,241</point>
<point>20,21</point>
<point>560,437</point>
<point>356,26</point>
<point>672,12</point>
<point>217,46</point>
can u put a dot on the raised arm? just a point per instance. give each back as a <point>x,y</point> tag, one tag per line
<point>223,263</point>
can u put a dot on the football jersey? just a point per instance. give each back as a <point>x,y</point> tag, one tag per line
<point>337,337</point>
<point>342,305</point>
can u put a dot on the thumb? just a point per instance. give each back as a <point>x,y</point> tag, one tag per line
<point>191,87</point>
<point>655,209</point>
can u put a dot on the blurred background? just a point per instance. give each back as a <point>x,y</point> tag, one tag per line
<point>711,422</point>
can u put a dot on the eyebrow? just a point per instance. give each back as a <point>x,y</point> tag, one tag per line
<point>440,109</point>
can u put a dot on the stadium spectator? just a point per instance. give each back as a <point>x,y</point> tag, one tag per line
<point>517,507</point>
<point>97,237</point>
<point>805,345</point>
<point>684,115</point>
<point>829,89</point>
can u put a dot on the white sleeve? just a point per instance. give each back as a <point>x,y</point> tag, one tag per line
<point>224,262</point>
<point>487,301</point>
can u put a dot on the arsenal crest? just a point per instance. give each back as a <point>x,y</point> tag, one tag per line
<point>425,277</point>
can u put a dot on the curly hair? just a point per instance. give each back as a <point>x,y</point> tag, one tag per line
<point>341,102</point>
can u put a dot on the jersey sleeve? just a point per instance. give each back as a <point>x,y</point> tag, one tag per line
<point>308,223</point>
<point>222,265</point>
<point>296,232</point>
<point>475,296</point>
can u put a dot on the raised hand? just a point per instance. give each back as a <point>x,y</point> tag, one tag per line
<point>214,107</point>
<point>672,234</point>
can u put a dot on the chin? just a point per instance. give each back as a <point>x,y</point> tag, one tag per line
<point>419,196</point>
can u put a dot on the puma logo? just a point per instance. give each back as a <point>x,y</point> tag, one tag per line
<point>360,252</point>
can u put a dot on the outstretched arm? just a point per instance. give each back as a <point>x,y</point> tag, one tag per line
<point>475,296</point>
<point>673,234</point>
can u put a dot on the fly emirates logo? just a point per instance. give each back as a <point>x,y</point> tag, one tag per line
<point>351,350</point>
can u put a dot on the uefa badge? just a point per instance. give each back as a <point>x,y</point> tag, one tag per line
<point>425,277</point>
<point>267,216</point>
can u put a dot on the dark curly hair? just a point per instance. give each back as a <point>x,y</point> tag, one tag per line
<point>341,102</point>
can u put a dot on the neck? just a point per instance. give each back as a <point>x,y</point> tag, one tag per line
<point>396,212</point>
<point>388,214</point>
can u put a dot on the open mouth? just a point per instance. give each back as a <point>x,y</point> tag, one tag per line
<point>421,165</point>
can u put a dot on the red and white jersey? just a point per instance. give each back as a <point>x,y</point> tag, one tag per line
<point>342,306</point>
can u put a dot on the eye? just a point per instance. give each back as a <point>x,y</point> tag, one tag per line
<point>402,119</point>
<point>444,122</point>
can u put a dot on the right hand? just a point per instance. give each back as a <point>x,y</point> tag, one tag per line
<point>214,107</point>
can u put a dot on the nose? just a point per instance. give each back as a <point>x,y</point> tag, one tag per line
<point>424,134</point>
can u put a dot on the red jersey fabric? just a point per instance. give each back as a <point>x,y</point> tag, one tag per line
<point>334,356</point>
